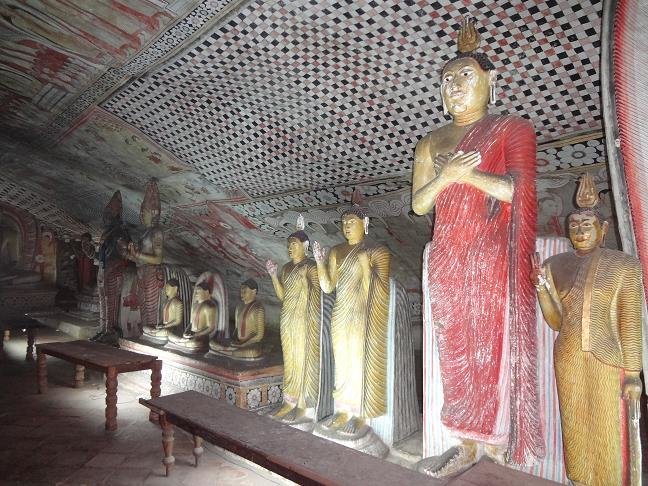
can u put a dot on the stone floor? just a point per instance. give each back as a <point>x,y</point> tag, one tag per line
<point>59,438</point>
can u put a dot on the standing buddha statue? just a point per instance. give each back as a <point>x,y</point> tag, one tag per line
<point>358,270</point>
<point>112,254</point>
<point>593,298</point>
<point>298,288</point>
<point>147,255</point>
<point>478,173</point>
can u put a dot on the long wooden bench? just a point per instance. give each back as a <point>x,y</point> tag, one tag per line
<point>296,455</point>
<point>101,357</point>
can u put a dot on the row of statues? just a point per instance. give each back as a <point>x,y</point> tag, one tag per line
<point>481,282</point>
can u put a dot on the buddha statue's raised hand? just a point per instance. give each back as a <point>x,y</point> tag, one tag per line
<point>319,252</point>
<point>271,267</point>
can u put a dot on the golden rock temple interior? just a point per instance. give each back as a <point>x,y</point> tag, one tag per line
<point>330,216</point>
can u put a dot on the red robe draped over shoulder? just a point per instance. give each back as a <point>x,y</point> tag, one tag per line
<point>482,301</point>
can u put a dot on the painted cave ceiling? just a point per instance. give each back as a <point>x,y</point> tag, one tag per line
<point>250,112</point>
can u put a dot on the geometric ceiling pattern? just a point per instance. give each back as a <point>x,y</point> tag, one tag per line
<point>300,95</point>
<point>249,112</point>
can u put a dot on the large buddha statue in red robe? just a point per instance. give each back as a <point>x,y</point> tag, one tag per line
<point>478,173</point>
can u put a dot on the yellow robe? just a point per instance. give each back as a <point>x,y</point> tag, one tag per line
<point>600,337</point>
<point>300,327</point>
<point>359,333</point>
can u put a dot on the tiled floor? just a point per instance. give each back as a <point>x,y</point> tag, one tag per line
<point>59,438</point>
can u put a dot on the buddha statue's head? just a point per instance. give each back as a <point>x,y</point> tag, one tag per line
<point>202,292</point>
<point>249,290</point>
<point>298,246</point>
<point>150,209</point>
<point>171,288</point>
<point>112,213</point>
<point>355,224</point>
<point>587,229</point>
<point>468,80</point>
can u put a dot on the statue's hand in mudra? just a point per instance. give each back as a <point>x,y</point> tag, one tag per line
<point>319,252</point>
<point>454,167</point>
<point>271,267</point>
<point>132,251</point>
<point>632,386</point>
<point>538,275</point>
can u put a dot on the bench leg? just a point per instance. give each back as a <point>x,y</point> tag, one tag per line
<point>7,335</point>
<point>31,334</point>
<point>167,444</point>
<point>41,370</point>
<point>198,448</point>
<point>79,376</point>
<point>156,382</point>
<point>111,399</point>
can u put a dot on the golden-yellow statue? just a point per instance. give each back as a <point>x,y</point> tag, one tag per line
<point>592,297</point>
<point>249,320</point>
<point>204,315</point>
<point>358,271</point>
<point>298,289</point>
<point>172,314</point>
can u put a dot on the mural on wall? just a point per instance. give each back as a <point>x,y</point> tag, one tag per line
<point>50,51</point>
<point>280,108</point>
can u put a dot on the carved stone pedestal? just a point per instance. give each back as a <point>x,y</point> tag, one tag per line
<point>248,385</point>
<point>365,441</point>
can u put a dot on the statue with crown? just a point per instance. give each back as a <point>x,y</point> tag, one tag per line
<point>593,297</point>
<point>478,174</point>
<point>373,397</point>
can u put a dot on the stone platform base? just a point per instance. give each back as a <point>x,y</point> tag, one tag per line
<point>366,441</point>
<point>78,324</point>
<point>248,385</point>
<point>23,298</point>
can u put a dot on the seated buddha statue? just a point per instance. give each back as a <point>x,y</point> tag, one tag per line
<point>172,315</point>
<point>249,327</point>
<point>204,313</point>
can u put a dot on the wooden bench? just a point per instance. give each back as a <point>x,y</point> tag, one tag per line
<point>110,361</point>
<point>19,322</point>
<point>296,455</point>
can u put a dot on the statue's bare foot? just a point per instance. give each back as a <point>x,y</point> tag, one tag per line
<point>353,426</point>
<point>336,421</point>
<point>294,415</point>
<point>496,452</point>
<point>453,461</point>
<point>281,411</point>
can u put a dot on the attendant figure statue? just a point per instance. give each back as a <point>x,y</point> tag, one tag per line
<point>112,254</point>
<point>204,315</point>
<point>249,323</point>
<point>298,289</point>
<point>593,298</point>
<point>147,255</point>
<point>358,271</point>
<point>478,173</point>
<point>172,314</point>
